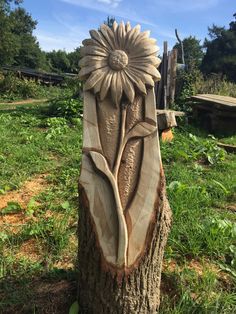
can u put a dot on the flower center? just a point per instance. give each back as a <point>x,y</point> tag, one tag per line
<point>118,60</point>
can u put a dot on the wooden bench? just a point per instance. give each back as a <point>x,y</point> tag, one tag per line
<point>216,113</point>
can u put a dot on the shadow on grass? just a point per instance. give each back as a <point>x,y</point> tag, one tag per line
<point>52,292</point>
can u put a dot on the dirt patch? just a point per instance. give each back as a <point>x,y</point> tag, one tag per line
<point>24,102</point>
<point>231,207</point>
<point>14,222</point>
<point>30,250</point>
<point>198,266</point>
<point>27,191</point>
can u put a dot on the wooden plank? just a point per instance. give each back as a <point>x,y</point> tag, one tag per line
<point>164,75</point>
<point>176,113</point>
<point>228,147</point>
<point>173,76</point>
<point>168,81</point>
<point>226,102</point>
<point>219,97</point>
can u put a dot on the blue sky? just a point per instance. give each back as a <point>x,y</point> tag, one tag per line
<point>63,24</point>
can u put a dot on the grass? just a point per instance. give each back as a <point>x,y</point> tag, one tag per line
<point>228,140</point>
<point>38,244</point>
<point>215,85</point>
<point>41,242</point>
<point>201,185</point>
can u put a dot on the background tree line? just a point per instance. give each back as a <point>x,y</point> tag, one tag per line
<point>19,47</point>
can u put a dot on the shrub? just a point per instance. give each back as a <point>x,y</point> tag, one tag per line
<point>186,87</point>
<point>215,84</point>
<point>193,82</point>
<point>13,87</point>
<point>66,107</point>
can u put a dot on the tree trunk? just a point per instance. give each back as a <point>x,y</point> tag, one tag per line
<point>104,292</point>
<point>124,213</point>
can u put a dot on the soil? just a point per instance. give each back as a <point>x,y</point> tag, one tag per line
<point>27,191</point>
<point>13,222</point>
<point>24,102</point>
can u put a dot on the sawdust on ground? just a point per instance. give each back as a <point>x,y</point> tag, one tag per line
<point>26,192</point>
<point>14,222</point>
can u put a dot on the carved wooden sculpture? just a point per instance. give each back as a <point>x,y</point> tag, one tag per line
<point>124,213</point>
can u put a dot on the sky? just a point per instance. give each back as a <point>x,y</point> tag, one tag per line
<point>63,24</point>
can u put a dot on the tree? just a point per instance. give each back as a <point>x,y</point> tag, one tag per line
<point>220,54</point>
<point>74,58</point>
<point>9,45</point>
<point>192,51</point>
<point>58,61</point>
<point>29,53</point>
<point>18,46</point>
<point>110,20</point>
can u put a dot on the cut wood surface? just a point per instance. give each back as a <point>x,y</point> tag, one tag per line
<point>226,102</point>
<point>166,118</point>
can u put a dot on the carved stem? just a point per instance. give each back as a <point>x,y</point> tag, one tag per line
<point>123,232</point>
<point>122,142</point>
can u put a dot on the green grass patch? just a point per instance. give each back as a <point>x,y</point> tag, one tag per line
<point>40,243</point>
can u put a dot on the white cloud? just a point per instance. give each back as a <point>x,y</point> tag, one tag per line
<point>49,42</point>
<point>112,3</point>
<point>110,7</point>
<point>187,5</point>
<point>129,15</point>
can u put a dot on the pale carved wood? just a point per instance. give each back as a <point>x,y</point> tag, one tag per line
<point>121,170</point>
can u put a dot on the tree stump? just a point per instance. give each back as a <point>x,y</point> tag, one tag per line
<point>124,213</point>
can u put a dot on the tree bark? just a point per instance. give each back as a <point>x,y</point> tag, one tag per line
<point>136,291</point>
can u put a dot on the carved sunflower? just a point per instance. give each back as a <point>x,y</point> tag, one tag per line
<point>121,60</point>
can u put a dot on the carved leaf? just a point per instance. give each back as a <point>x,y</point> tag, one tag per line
<point>141,129</point>
<point>100,163</point>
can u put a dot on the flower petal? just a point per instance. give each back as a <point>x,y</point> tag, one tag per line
<point>89,42</point>
<point>121,35</point>
<point>138,82</point>
<point>106,84</point>
<point>149,69</point>
<point>99,38</point>
<point>93,50</point>
<point>153,59</point>
<point>143,35</point>
<point>128,27</point>
<point>95,77</point>
<point>131,37</point>
<point>144,77</point>
<point>97,86</point>
<point>144,50</point>
<point>116,88</point>
<point>127,87</point>
<point>83,73</point>
<point>91,60</point>
<point>114,26</point>
<point>108,35</point>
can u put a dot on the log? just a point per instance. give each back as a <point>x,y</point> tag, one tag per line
<point>228,147</point>
<point>166,118</point>
<point>124,212</point>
